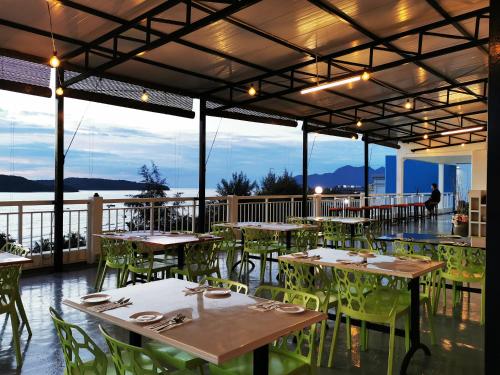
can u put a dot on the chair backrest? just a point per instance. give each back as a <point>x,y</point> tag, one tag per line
<point>115,251</point>
<point>225,283</point>
<point>9,286</point>
<point>305,239</point>
<point>375,245</point>
<point>201,258</point>
<point>414,247</point>
<point>299,344</point>
<point>129,359</point>
<point>462,263</point>
<point>333,231</point>
<point>81,354</point>
<point>15,248</point>
<point>227,233</point>
<point>306,278</point>
<point>258,239</point>
<point>355,297</point>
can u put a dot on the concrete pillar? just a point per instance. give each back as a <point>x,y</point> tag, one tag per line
<point>232,201</point>
<point>316,205</point>
<point>400,174</point>
<point>441,183</point>
<point>94,226</point>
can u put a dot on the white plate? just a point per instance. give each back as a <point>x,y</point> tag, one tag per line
<point>215,293</point>
<point>95,298</point>
<point>146,317</point>
<point>290,309</point>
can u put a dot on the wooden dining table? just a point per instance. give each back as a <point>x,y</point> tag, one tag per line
<point>161,241</point>
<point>435,239</point>
<point>221,328</point>
<point>8,259</point>
<point>381,265</point>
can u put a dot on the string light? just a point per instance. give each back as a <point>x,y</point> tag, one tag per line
<point>59,91</point>
<point>144,96</point>
<point>252,91</point>
<point>365,76</point>
<point>426,136</point>
<point>359,123</point>
<point>354,137</point>
<point>408,104</point>
<point>54,60</point>
<point>427,149</point>
<point>463,145</point>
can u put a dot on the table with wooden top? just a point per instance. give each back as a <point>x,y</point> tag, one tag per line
<point>221,328</point>
<point>433,239</point>
<point>352,222</point>
<point>8,259</point>
<point>160,241</point>
<point>382,265</point>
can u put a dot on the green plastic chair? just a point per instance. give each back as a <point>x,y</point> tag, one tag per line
<point>75,344</point>
<point>18,249</point>
<point>291,354</point>
<point>334,232</point>
<point>304,239</point>
<point>414,247</point>
<point>129,359</point>
<point>262,243</point>
<point>379,247</point>
<point>229,245</point>
<point>102,257</point>
<point>462,265</point>
<point>9,291</point>
<point>142,263</point>
<point>361,297</point>
<point>313,280</point>
<point>116,255</point>
<point>225,283</point>
<point>201,259</point>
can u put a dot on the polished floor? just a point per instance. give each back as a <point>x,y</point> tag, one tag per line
<point>458,351</point>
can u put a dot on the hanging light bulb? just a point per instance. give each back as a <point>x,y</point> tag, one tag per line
<point>252,91</point>
<point>354,137</point>
<point>427,149</point>
<point>426,136</point>
<point>144,96</point>
<point>54,60</point>
<point>463,145</point>
<point>426,124</point>
<point>365,76</point>
<point>408,104</point>
<point>359,123</point>
<point>59,91</point>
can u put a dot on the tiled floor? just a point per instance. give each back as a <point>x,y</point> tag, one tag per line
<point>459,348</point>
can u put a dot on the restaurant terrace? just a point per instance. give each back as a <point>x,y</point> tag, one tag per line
<point>291,284</point>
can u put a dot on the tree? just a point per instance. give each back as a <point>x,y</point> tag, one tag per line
<point>238,185</point>
<point>284,184</point>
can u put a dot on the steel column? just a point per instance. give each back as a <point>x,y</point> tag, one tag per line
<point>304,168</point>
<point>202,166</point>
<point>366,177</point>
<point>492,328</point>
<point>59,177</point>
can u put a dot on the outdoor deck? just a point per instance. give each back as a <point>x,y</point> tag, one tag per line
<point>459,349</point>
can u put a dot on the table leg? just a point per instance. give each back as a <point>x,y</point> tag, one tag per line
<point>415,343</point>
<point>135,339</point>
<point>261,360</point>
<point>288,240</point>
<point>180,259</point>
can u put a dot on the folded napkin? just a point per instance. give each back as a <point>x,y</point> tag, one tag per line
<point>109,306</point>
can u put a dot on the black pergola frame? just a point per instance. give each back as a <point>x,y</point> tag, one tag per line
<point>383,134</point>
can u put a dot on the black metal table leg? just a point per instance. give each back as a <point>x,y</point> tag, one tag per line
<point>135,339</point>
<point>180,259</point>
<point>415,343</point>
<point>261,360</point>
<point>288,240</point>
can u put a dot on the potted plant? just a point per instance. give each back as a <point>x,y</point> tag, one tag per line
<point>460,219</point>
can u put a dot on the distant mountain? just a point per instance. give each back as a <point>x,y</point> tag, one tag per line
<point>346,175</point>
<point>96,184</point>
<point>23,185</point>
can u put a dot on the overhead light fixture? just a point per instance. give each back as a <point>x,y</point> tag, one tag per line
<point>427,149</point>
<point>144,96</point>
<point>426,136</point>
<point>54,60</point>
<point>252,91</point>
<point>426,124</point>
<point>59,91</point>
<point>464,130</point>
<point>328,85</point>
<point>359,123</point>
<point>365,76</point>
<point>463,145</point>
<point>408,104</point>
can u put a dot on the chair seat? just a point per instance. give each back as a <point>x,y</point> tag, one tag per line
<point>279,364</point>
<point>171,356</point>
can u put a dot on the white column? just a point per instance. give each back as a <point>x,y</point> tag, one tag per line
<point>400,174</point>
<point>441,183</point>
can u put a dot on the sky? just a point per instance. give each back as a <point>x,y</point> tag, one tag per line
<point>113,142</point>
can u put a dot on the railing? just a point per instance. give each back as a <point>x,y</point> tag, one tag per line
<point>31,223</point>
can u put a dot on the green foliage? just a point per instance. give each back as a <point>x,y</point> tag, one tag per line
<point>239,184</point>
<point>154,184</point>
<point>72,241</point>
<point>285,184</point>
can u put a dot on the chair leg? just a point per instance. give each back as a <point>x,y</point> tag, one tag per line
<point>103,275</point>
<point>391,347</point>
<point>407,333</point>
<point>22,312</point>
<point>98,275</point>
<point>428,304</point>
<point>348,332</point>
<point>321,346</point>
<point>262,267</point>
<point>333,347</point>
<point>15,335</point>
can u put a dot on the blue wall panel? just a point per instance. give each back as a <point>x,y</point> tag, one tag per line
<point>390,174</point>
